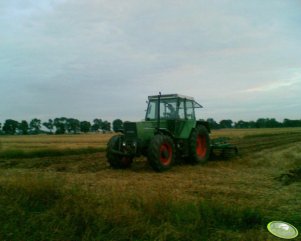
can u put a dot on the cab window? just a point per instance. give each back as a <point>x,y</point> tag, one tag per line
<point>190,110</point>
<point>169,109</point>
<point>151,110</point>
<point>181,109</point>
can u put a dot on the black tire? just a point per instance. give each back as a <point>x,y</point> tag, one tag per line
<point>199,145</point>
<point>161,153</point>
<point>117,161</point>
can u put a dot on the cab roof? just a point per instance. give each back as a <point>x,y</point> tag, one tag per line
<point>172,96</point>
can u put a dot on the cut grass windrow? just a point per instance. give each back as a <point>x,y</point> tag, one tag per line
<point>15,154</point>
<point>256,143</point>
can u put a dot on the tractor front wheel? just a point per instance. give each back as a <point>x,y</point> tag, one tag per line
<point>199,146</point>
<point>117,161</point>
<point>161,153</point>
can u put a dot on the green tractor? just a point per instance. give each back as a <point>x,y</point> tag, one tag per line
<point>170,131</point>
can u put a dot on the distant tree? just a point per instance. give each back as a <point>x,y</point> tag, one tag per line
<point>225,123</point>
<point>85,126</point>
<point>106,126</point>
<point>97,123</point>
<point>272,123</point>
<point>35,126</point>
<point>244,124</point>
<point>261,123</point>
<point>291,123</point>
<point>49,125</point>
<point>241,124</point>
<point>286,122</point>
<point>73,125</point>
<point>267,123</point>
<point>117,125</point>
<point>60,125</point>
<point>212,123</point>
<point>23,127</point>
<point>10,126</point>
<point>252,124</point>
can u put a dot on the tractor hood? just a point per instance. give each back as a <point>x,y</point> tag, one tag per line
<point>139,130</point>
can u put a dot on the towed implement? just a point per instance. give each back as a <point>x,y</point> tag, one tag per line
<point>170,131</point>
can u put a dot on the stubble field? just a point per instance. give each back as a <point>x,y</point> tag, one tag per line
<point>61,188</point>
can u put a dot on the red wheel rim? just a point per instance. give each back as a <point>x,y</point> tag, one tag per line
<point>165,154</point>
<point>201,146</point>
<point>126,160</point>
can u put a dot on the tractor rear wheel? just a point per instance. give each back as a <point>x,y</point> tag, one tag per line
<point>161,153</point>
<point>199,146</point>
<point>117,161</point>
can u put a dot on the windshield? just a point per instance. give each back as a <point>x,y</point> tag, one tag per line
<point>169,109</point>
<point>172,108</point>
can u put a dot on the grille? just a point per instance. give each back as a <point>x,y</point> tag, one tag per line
<point>130,130</point>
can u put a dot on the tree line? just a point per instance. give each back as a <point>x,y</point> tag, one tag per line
<point>61,125</point>
<point>259,123</point>
<point>65,125</point>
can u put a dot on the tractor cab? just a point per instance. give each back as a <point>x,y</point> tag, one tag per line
<point>170,107</point>
<point>172,114</point>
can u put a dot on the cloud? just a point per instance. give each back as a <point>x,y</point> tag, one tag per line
<point>91,56</point>
<point>271,87</point>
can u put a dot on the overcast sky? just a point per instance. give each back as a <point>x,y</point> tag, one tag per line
<point>240,59</point>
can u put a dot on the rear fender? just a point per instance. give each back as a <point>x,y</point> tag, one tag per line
<point>204,123</point>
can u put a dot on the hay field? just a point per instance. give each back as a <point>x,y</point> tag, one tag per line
<point>36,142</point>
<point>76,196</point>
